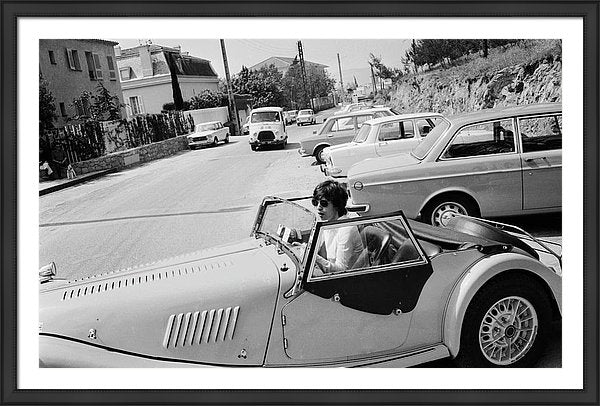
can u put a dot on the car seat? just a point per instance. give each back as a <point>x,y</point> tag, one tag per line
<point>376,242</point>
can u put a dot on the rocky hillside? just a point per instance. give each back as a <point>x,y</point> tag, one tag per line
<point>528,73</point>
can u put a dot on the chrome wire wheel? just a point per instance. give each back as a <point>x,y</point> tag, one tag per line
<point>508,330</point>
<point>445,211</point>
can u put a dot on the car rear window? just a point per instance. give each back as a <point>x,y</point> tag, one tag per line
<point>421,150</point>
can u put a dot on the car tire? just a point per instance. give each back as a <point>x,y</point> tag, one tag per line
<point>215,142</point>
<point>227,139</point>
<point>439,210</point>
<point>510,314</point>
<point>318,154</point>
<point>192,147</point>
<point>253,147</point>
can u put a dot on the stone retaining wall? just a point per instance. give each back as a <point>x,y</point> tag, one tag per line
<point>122,159</point>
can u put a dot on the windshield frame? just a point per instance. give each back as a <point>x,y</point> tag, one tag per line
<point>275,238</point>
<point>361,131</point>
<point>431,140</point>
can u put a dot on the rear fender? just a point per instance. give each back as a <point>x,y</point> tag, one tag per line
<point>473,279</point>
<point>448,190</point>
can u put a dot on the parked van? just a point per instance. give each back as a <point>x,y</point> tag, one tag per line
<point>267,127</point>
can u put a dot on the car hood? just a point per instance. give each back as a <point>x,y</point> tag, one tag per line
<point>380,165</point>
<point>206,307</point>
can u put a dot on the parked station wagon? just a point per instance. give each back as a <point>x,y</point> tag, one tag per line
<point>337,130</point>
<point>210,133</point>
<point>417,293</point>
<point>496,162</point>
<point>379,137</point>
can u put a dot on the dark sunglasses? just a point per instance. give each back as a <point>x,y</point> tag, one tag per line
<point>324,203</point>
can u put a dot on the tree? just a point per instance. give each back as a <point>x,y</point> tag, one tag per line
<point>382,70</point>
<point>265,85</point>
<point>101,106</point>
<point>208,99</point>
<point>106,105</point>
<point>318,83</point>
<point>47,107</point>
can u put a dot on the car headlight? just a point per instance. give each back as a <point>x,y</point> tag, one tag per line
<point>358,185</point>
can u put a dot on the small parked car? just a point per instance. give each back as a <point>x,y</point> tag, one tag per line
<point>353,107</point>
<point>246,126</point>
<point>290,116</point>
<point>306,116</point>
<point>267,127</point>
<point>338,130</point>
<point>472,292</point>
<point>490,163</point>
<point>379,137</point>
<point>210,133</point>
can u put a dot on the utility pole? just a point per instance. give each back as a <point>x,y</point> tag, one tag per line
<point>341,79</point>
<point>373,80</point>
<point>233,113</point>
<point>303,70</point>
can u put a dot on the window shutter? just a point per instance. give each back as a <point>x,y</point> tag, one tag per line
<point>70,59</point>
<point>97,66</point>
<point>111,68</point>
<point>75,56</point>
<point>90,64</point>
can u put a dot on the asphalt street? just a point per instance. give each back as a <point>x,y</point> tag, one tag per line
<point>184,203</point>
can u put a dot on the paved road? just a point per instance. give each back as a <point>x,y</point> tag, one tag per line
<point>191,201</point>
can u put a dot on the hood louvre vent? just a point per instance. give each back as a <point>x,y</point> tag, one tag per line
<point>124,282</point>
<point>208,326</point>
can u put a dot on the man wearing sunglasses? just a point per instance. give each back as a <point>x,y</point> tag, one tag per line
<point>341,246</point>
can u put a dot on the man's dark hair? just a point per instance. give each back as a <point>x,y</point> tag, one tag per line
<point>334,192</point>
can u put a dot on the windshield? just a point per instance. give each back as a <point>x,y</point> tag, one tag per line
<point>280,217</point>
<point>265,116</point>
<point>421,150</point>
<point>363,133</point>
<point>206,127</point>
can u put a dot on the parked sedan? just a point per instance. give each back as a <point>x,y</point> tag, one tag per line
<point>210,133</point>
<point>496,162</point>
<point>306,116</point>
<point>379,137</point>
<point>417,293</point>
<point>338,130</point>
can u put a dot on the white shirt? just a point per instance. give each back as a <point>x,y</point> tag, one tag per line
<point>343,245</point>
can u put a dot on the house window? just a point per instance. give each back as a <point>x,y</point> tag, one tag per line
<point>94,67</point>
<point>63,110</point>
<point>112,75</point>
<point>73,59</point>
<point>125,73</point>
<point>135,102</point>
<point>51,56</point>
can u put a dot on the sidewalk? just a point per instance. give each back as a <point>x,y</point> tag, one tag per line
<point>50,186</point>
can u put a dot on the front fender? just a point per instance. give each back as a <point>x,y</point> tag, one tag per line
<point>483,271</point>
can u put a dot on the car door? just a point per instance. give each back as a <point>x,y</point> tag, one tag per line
<point>395,137</point>
<point>482,160</point>
<point>342,130</point>
<point>365,309</point>
<point>541,160</point>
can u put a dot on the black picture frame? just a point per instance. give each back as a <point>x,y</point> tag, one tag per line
<point>12,10</point>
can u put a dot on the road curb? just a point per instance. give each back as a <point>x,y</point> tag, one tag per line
<point>76,181</point>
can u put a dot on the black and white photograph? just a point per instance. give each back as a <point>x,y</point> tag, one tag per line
<point>308,220</point>
<point>300,204</point>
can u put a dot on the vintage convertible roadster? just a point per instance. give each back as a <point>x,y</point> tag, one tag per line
<point>482,295</point>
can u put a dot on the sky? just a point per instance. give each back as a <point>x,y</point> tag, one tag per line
<point>354,53</point>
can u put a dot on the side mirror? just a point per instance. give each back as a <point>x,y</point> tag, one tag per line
<point>47,272</point>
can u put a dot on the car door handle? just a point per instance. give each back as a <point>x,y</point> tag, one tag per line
<point>533,159</point>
